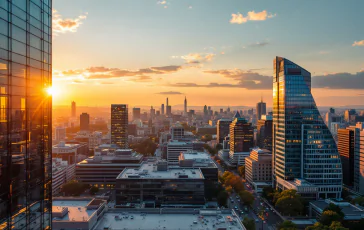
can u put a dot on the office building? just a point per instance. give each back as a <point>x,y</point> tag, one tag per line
<point>241,135</point>
<point>162,109</point>
<point>119,125</point>
<point>174,148</point>
<point>264,132</point>
<point>169,110</point>
<point>136,113</point>
<point>60,134</point>
<point>258,166</point>
<point>93,139</point>
<point>25,114</point>
<point>61,174</point>
<point>345,146</point>
<point>237,159</point>
<point>84,122</point>
<point>101,169</point>
<point>177,132</point>
<point>73,109</point>
<point>348,113</point>
<point>304,150</point>
<point>223,129</point>
<point>359,157</point>
<point>205,111</point>
<point>157,186</point>
<point>185,106</point>
<point>261,109</point>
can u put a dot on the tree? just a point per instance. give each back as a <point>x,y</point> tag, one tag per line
<point>218,147</point>
<point>327,217</point>
<point>222,198</point>
<point>147,147</point>
<point>287,225</point>
<point>268,193</point>
<point>249,223</point>
<point>289,202</point>
<point>241,171</point>
<point>247,198</point>
<point>337,226</point>
<point>73,188</point>
<point>94,190</point>
<point>358,200</point>
<point>335,208</point>
<point>334,226</point>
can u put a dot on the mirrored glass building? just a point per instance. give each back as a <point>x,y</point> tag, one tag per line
<point>25,114</point>
<point>304,151</point>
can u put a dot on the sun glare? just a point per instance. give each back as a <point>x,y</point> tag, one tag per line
<point>52,91</point>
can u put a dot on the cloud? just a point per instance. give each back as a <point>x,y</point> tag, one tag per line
<point>251,16</point>
<point>210,85</point>
<point>162,2</point>
<point>259,44</point>
<point>358,43</point>
<point>141,79</point>
<point>170,93</point>
<point>61,26</point>
<point>339,81</point>
<point>195,58</point>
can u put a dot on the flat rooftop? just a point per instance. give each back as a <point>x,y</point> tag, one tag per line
<point>191,155</point>
<point>347,208</point>
<point>178,143</point>
<point>77,210</point>
<point>149,170</point>
<point>168,221</point>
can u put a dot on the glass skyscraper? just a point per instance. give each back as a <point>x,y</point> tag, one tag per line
<point>119,125</point>
<point>303,147</point>
<point>25,114</point>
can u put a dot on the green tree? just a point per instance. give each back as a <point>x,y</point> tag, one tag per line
<point>317,226</point>
<point>247,198</point>
<point>73,188</point>
<point>249,223</point>
<point>358,200</point>
<point>337,226</point>
<point>289,203</point>
<point>328,216</point>
<point>222,198</point>
<point>241,171</point>
<point>94,190</point>
<point>147,147</point>
<point>287,225</point>
<point>335,208</point>
<point>268,193</point>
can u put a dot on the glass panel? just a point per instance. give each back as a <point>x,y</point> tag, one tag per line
<point>18,70</point>
<point>4,27</point>
<point>18,12</point>
<point>35,53</point>
<point>18,22</point>
<point>4,66</point>
<point>21,4</point>
<point>4,42</point>
<point>35,11</point>
<point>35,42</point>
<point>19,58</point>
<point>18,47</point>
<point>19,34</point>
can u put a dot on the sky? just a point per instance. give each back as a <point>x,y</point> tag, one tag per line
<point>214,52</point>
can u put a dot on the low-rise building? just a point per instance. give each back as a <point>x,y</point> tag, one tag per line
<point>258,166</point>
<point>59,174</point>
<point>237,159</point>
<point>351,212</point>
<point>306,189</point>
<point>174,148</point>
<point>102,169</point>
<point>77,213</point>
<point>156,185</point>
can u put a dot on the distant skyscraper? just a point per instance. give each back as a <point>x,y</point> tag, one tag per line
<point>25,114</point>
<point>84,122</point>
<point>73,109</point>
<point>264,132</point>
<point>185,106</point>
<point>261,109</point>
<point>345,146</point>
<point>205,112</point>
<point>223,129</point>
<point>162,109</point>
<point>303,147</point>
<point>119,125</point>
<point>228,109</point>
<point>136,113</point>
<point>241,135</point>
<point>221,110</point>
<point>169,110</point>
<point>152,112</point>
<point>167,103</point>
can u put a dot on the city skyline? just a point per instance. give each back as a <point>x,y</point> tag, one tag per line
<point>234,65</point>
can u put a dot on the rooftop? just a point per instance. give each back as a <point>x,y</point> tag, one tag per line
<point>192,155</point>
<point>169,221</point>
<point>72,210</point>
<point>149,170</point>
<point>348,209</point>
<point>63,145</point>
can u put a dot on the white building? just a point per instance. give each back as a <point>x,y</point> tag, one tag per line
<point>174,148</point>
<point>59,174</point>
<point>258,166</point>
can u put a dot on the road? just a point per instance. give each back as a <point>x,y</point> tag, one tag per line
<point>270,220</point>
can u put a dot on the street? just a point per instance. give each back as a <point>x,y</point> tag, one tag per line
<point>271,219</point>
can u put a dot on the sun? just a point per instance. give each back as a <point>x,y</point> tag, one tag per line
<point>52,91</point>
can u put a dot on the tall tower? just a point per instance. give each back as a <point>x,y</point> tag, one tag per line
<point>185,106</point>
<point>84,122</point>
<point>303,147</point>
<point>167,102</point>
<point>261,109</point>
<point>162,109</point>
<point>25,115</point>
<point>119,125</point>
<point>73,109</point>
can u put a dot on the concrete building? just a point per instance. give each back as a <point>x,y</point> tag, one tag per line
<point>261,109</point>
<point>119,125</point>
<point>84,122</point>
<point>223,129</point>
<point>345,146</point>
<point>60,134</point>
<point>303,147</point>
<point>264,132</point>
<point>241,135</point>
<point>59,174</point>
<point>93,139</point>
<point>159,186</point>
<point>177,132</point>
<point>237,159</point>
<point>77,213</point>
<point>258,166</point>
<point>102,169</point>
<point>174,148</point>
<point>351,212</point>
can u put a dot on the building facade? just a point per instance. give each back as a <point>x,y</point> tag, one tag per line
<point>258,166</point>
<point>223,129</point>
<point>84,122</point>
<point>261,109</point>
<point>119,125</point>
<point>303,146</point>
<point>241,135</point>
<point>264,132</point>
<point>25,114</point>
<point>345,146</point>
<point>359,158</point>
<point>174,148</point>
<point>73,109</point>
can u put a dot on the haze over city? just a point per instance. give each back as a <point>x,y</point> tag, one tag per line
<point>140,52</point>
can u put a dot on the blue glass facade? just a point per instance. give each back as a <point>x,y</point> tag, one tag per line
<point>25,114</point>
<point>303,146</point>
